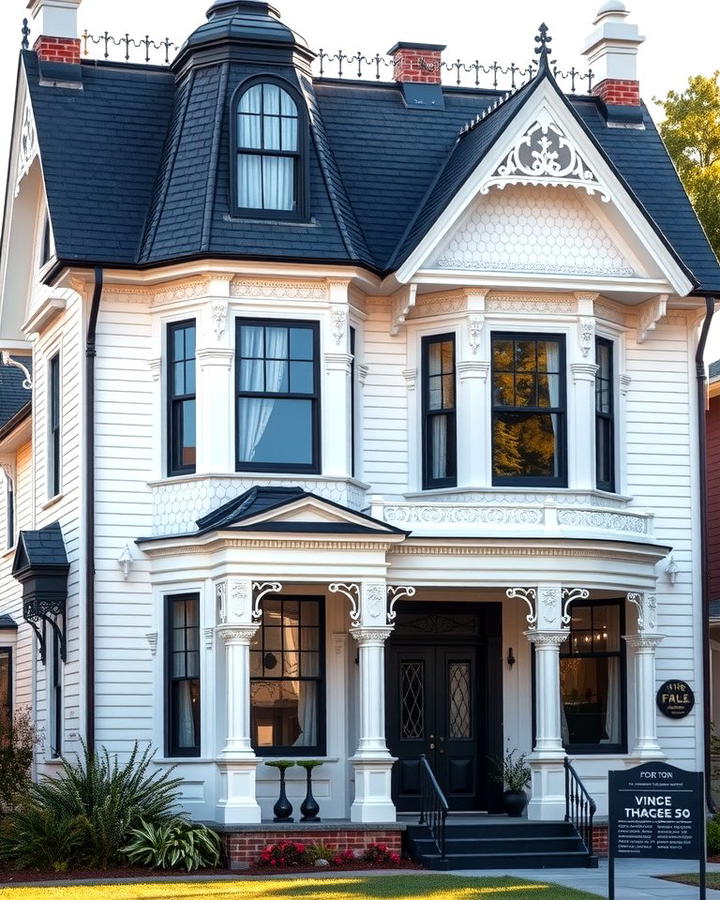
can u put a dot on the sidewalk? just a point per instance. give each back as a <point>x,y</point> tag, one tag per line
<point>633,879</point>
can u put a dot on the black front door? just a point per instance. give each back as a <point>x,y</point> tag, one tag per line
<point>442,695</point>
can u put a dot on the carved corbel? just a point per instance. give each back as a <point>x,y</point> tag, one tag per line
<point>7,360</point>
<point>529,596</point>
<point>394,593</point>
<point>263,589</point>
<point>649,314</point>
<point>403,302</point>
<point>586,335</point>
<point>352,592</point>
<point>646,605</point>
<point>476,324</point>
<point>569,596</point>
<point>339,319</point>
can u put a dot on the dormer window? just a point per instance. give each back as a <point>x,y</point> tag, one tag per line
<point>268,136</point>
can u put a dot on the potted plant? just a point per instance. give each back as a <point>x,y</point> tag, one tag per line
<point>514,775</point>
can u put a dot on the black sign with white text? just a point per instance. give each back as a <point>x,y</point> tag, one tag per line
<point>656,812</point>
<point>675,699</point>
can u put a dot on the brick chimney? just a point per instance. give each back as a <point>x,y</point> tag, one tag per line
<point>611,51</point>
<point>417,63</point>
<point>54,22</point>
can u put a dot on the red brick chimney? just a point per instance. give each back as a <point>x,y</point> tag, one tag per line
<point>55,24</point>
<point>612,51</point>
<point>417,63</point>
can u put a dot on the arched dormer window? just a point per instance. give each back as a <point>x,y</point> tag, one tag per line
<point>269,145</point>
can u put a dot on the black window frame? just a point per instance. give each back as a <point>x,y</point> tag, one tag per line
<point>7,702</point>
<point>46,245</point>
<point>301,155</point>
<point>172,750</point>
<point>428,482</point>
<point>621,654</point>
<point>54,420</point>
<point>605,420</point>
<point>314,467</point>
<point>9,512</point>
<point>319,749</point>
<point>554,481</point>
<point>55,699</point>
<point>175,403</point>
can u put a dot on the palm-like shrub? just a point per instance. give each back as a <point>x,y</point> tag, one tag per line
<point>176,844</point>
<point>110,799</point>
<point>18,737</point>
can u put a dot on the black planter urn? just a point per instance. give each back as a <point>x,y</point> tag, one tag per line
<point>309,807</point>
<point>514,803</point>
<point>283,808</point>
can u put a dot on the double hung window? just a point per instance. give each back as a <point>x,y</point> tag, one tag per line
<point>592,679</point>
<point>5,689</point>
<point>56,697</point>
<point>182,441</point>
<point>287,678</point>
<point>278,406</point>
<point>604,416</point>
<point>528,414</point>
<point>439,411</point>
<point>54,426</point>
<point>269,133</point>
<point>182,629</point>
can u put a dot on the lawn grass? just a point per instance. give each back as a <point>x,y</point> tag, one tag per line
<point>404,887</point>
<point>713,879</point>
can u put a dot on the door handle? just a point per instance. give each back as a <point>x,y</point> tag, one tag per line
<point>432,747</point>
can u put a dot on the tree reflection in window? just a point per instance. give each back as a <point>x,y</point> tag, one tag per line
<point>528,409</point>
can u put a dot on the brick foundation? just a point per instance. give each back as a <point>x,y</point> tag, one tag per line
<point>618,93</point>
<point>244,847</point>
<point>58,50</point>
<point>600,840</point>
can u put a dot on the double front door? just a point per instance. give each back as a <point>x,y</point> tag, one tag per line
<point>433,709</point>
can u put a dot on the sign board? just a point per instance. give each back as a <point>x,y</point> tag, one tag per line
<point>656,811</point>
<point>675,699</point>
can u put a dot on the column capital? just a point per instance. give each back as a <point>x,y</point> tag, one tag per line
<point>375,635</point>
<point>238,634</point>
<point>584,371</point>
<point>547,638</point>
<point>644,641</point>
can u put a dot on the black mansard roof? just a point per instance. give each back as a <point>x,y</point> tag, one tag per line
<point>137,163</point>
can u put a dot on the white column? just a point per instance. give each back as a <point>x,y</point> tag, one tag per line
<point>237,803</point>
<point>548,730</point>
<point>337,454</point>
<point>582,473</point>
<point>644,646</point>
<point>473,448</point>
<point>215,394</point>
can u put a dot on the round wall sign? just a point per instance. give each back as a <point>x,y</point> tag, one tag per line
<point>675,699</point>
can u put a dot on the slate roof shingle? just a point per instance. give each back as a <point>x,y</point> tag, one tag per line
<point>13,396</point>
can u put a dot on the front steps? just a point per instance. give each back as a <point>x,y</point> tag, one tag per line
<point>501,844</point>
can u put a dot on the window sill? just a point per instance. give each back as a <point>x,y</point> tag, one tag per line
<point>490,491</point>
<point>52,501</point>
<point>8,551</point>
<point>275,476</point>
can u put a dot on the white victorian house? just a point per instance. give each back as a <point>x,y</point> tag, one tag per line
<point>364,421</point>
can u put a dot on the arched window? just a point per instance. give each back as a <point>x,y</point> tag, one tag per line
<point>269,138</point>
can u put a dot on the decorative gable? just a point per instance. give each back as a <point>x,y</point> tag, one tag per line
<point>533,229</point>
<point>544,154</point>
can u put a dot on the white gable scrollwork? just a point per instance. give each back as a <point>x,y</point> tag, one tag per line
<point>28,145</point>
<point>545,155</point>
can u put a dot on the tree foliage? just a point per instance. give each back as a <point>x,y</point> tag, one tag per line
<point>691,132</point>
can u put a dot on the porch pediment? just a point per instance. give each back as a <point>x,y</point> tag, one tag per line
<point>291,509</point>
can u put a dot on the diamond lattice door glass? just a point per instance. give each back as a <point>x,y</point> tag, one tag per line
<point>459,688</point>
<point>412,699</point>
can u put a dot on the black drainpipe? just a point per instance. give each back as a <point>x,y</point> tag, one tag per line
<point>704,555</point>
<point>90,512</point>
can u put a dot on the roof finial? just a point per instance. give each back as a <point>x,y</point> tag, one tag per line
<point>544,41</point>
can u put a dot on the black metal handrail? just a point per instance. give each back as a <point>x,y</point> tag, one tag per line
<point>580,807</point>
<point>433,805</point>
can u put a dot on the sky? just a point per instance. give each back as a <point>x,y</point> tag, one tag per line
<point>681,38</point>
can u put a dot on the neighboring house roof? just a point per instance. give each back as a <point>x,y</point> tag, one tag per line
<point>714,369</point>
<point>13,396</point>
<point>141,157</point>
<point>42,549</point>
<point>7,623</point>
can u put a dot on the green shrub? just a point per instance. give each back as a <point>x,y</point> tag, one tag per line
<point>320,850</point>
<point>713,837</point>
<point>17,742</point>
<point>176,844</point>
<point>111,799</point>
<point>36,838</point>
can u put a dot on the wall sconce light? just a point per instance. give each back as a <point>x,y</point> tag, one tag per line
<point>510,657</point>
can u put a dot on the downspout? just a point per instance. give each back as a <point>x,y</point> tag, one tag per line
<point>90,512</point>
<point>704,555</point>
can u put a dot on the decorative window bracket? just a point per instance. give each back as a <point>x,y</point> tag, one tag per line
<point>41,613</point>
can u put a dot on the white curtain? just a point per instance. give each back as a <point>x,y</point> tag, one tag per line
<point>307,714</point>
<point>278,182</point>
<point>186,723</point>
<point>553,365</point>
<point>439,446</point>
<point>255,412</point>
<point>612,713</point>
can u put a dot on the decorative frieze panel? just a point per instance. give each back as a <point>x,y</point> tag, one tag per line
<point>567,498</point>
<point>532,230</point>
<point>563,304</point>
<point>447,514</point>
<point>179,503</point>
<point>603,521</point>
<point>278,290</point>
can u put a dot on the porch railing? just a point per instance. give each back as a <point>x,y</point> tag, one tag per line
<point>433,805</point>
<point>579,807</point>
